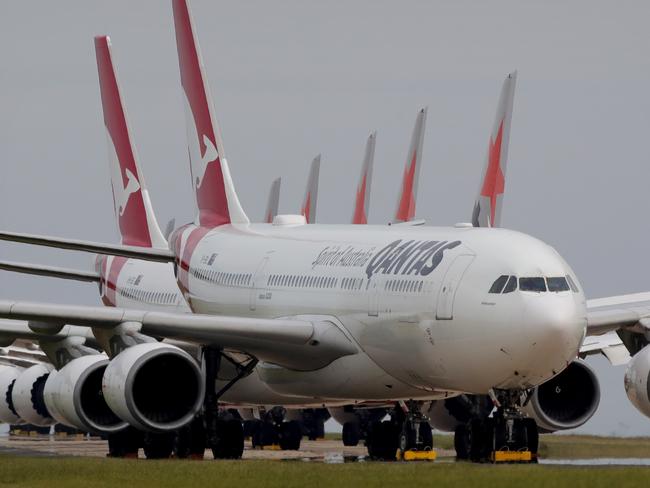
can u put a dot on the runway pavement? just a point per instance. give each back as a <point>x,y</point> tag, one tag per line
<point>321,450</point>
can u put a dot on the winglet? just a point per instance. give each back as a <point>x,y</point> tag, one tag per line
<point>487,209</point>
<point>133,210</point>
<point>273,201</point>
<point>216,198</point>
<point>362,199</point>
<point>408,195</point>
<point>310,201</point>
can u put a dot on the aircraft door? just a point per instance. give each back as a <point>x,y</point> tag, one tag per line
<point>453,277</point>
<point>258,284</point>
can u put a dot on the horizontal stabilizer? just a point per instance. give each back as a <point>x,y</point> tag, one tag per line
<point>134,252</point>
<point>50,271</point>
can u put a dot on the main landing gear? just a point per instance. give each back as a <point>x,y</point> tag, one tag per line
<point>272,432</point>
<point>506,436</point>
<point>406,436</point>
<point>220,431</point>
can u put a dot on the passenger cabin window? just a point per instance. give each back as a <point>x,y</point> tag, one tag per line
<point>557,284</point>
<point>536,284</point>
<point>499,283</point>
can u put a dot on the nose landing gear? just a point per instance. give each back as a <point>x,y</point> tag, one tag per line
<point>406,436</point>
<point>507,436</point>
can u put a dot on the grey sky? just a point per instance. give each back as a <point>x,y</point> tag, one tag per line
<point>291,79</point>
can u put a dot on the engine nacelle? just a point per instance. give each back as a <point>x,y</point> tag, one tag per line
<point>637,381</point>
<point>27,395</point>
<point>8,375</point>
<point>567,400</point>
<point>73,395</point>
<point>154,386</point>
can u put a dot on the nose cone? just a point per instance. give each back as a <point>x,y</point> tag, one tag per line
<point>554,326</point>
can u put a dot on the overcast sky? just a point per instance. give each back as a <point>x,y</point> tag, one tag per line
<point>292,79</point>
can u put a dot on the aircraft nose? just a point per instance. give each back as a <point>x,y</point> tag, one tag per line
<point>555,326</point>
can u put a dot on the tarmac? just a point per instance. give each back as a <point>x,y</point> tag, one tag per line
<point>324,450</point>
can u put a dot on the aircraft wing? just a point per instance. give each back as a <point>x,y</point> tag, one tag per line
<point>619,312</point>
<point>135,252</point>
<point>609,344</point>
<point>50,271</point>
<point>304,344</point>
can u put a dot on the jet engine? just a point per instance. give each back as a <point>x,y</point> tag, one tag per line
<point>8,375</point>
<point>154,386</point>
<point>636,381</point>
<point>27,395</point>
<point>73,396</point>
<point>567,400</point>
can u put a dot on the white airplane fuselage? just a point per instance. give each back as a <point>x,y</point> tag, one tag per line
<point>414,300</point>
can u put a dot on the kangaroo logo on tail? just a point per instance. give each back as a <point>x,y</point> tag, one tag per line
<point>209,156</point>
<point>122,194</point>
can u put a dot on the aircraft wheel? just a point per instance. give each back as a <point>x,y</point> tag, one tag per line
<point>230,440</point>
<point>351,434</point>
<point>158,446</point>
<point>290,435</point>
<point>190,440</point>
<point>462,442</point>
<point>124,443</point>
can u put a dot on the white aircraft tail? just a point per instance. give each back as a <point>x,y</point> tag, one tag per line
<point>273,201</point>
<point>310,201</point>
<point>135,216</point>
<point>362,200</point>
<point>216,198</point>
<point>408,195</point>
<point>487,209</point>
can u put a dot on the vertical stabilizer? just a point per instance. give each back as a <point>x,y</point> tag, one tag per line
<point>310,201</point>
<point>273,202</point>
<point>216,198</point>
<point>362,200</point>
<point>487,208</point>
<point>408,194</point>
<point>135,217</point>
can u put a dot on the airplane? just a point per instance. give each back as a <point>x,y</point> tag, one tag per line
<point>310,201</point>
<point>347,313</point>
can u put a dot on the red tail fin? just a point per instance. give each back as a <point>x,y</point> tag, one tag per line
<point>133,209</point>
<point>215,195</point>
<point>360,215</point>
<point>408,195</point>
<point>308,208</point>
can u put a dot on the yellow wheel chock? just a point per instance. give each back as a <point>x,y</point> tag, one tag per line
<point>429,455</point>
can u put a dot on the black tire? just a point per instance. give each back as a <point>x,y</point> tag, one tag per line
<point>426,436</point>
<point>158,446</point>
<point>124,443</point>
<point>351,434</point>
<point>230,440</point>
<point>532,435</point>
<point>478,441</point>
<point>268,434</point>
<point>290,436</point>
<point>190,440</point>
<point>385,441</point>
<point>462,442</point>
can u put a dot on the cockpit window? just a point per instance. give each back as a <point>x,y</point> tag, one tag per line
<point>498,285</point>
<point>557,284</point>
<point>511,285</point>
<point>537,284</point>
<point>572,284</point>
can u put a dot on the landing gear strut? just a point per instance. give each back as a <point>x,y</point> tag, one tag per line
<point>507,436</point>
<point>223,433</point>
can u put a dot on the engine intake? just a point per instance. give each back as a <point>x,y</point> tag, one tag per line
<point>8,375</point>
<point>74,396</point>
<point>154,386</point>
<point>637,381</point>
<point>567,400</point>
<point>27,395</point>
